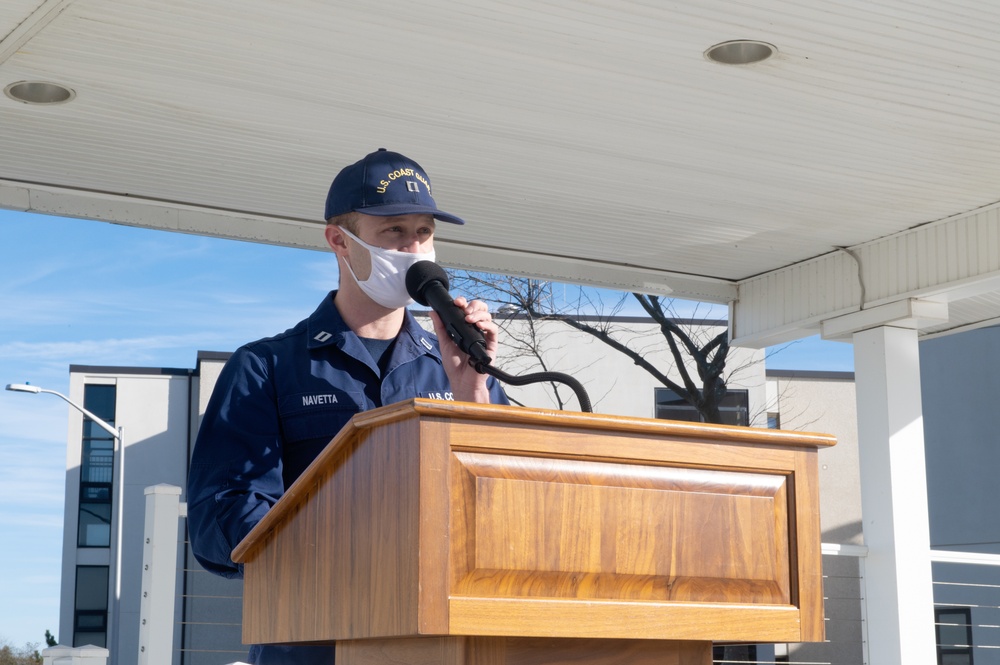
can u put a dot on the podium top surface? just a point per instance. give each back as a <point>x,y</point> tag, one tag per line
<point>518,415</point>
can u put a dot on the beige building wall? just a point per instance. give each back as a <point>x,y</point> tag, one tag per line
<point>615,384</point>
<point>825,402</point>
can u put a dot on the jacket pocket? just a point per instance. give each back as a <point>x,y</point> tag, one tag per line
<point>307,416</point>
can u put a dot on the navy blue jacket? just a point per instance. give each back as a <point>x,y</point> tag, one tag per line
<point>278,402</point>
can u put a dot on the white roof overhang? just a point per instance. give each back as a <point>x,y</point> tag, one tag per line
<point>851,180</point>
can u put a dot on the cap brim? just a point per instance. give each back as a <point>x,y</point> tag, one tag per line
<point>391,209</point>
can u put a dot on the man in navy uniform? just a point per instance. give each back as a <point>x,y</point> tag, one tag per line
<point>280,400</point>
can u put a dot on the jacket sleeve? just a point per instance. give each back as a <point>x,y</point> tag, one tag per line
<point>497,395</point>
<point>235,474</point>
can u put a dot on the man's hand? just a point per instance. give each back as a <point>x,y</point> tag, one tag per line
<point>467,384</point>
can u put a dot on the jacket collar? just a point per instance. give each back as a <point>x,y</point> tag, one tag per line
<point>326,327</point>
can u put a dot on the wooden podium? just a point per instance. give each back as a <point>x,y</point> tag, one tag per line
<point>444,532</point>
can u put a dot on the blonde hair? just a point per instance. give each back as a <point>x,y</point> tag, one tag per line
<point>349,220</point>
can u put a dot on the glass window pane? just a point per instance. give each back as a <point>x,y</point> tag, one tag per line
<point>90,627</point>
<point>685,413</point>
<point>734,407</point>
<point>90,621</point>
<point>954,635</point>
<point>96,469</point>
<point>90,639</point>
<point>100,400</point>
<point>95,492</point>
<point>92,588</point>
<point>92,430</point>
<point>97,462</point>
<point>956,659</point>
<point>90,616</point>
<point>95,525</point>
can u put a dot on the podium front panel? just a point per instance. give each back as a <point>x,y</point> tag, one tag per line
<point>430,519</point>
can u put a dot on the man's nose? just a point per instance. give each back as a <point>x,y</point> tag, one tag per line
<point>411,243</point>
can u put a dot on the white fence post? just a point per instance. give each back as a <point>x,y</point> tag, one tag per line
<point>159,575</point>
<point>63,655</point>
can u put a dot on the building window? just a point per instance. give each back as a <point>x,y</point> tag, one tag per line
<point>736,653</point>
<point>734,409</point>
<point>954,635</point>
<point>90,609</point>
<point>96,468</point>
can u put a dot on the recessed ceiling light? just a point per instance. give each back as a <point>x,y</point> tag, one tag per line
<point>39,92</point>
<point>740,52</point>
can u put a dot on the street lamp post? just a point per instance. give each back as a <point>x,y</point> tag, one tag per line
<point>113,625</point>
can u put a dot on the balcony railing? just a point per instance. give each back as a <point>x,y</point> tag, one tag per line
<point>967,607</point>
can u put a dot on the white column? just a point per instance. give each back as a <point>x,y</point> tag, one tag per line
<point>159,575</point>
<point>898,585</point>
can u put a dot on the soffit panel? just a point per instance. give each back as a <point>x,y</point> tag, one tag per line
<point>592,132</point>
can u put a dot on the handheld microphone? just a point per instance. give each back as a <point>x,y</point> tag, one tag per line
<point>427,283</point>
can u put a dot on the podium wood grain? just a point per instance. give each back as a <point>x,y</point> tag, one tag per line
<point>446,519</point>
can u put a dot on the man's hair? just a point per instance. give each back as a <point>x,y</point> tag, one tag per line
<point>348,220</point>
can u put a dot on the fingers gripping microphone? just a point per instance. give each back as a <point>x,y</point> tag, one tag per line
<point>427,283</point>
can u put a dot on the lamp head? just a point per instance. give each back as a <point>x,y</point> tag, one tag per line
<point>23,388</point>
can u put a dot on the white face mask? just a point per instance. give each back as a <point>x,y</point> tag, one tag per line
<point>386,284</point>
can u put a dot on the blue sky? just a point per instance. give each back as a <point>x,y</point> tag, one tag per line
<point>91,293</point>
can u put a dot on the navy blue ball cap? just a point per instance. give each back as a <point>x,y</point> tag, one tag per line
<point>384,183</point>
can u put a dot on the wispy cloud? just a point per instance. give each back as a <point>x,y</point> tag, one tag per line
<point>112,351</point>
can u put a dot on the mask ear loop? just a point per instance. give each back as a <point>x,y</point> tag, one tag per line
<point>371,248</point>
<point>351,270</point>
<point>363,244</point>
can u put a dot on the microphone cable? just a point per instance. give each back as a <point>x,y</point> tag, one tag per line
<point>427,283</point>
<point>537,377</point>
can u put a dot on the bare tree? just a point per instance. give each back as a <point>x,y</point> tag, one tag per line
<point>703,388</point>
<point>14,655</point>
<point>527,342</point>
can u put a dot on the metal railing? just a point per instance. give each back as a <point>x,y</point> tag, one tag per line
<point>182,606</point>
<point>967,607</point>
<point>844,617</point>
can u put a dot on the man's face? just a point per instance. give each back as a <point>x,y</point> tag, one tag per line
<point>403,233</point>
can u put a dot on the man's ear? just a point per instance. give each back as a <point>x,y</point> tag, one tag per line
<point>336,239</point>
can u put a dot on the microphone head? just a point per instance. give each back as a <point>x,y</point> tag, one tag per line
<point>420,275</point>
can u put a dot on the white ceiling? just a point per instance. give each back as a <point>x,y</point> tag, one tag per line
<point>584,141</point>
